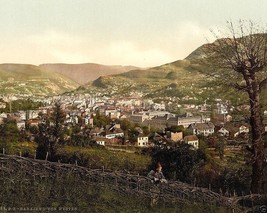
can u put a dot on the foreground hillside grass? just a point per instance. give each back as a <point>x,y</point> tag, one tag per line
<point>71,192</point>
<point>103,158</point>
<point>93,157</point>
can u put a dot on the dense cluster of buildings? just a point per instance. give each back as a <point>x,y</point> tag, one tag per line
<point>81,110</point>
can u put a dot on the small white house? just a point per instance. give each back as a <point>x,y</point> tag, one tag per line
<point>101,142</point>
<point>192,140</point>
<point>142,141</point>
<point>3,115</point>
<point>21,125</point>
<point>223,132</point>
<point>242,129</point>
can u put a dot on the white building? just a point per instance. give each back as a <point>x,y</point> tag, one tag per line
<point>202,128</point>
<point>142,141</point>
<point>192,140</point>
<point>21,125</point>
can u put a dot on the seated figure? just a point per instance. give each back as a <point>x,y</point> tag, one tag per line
<point>156,175</point>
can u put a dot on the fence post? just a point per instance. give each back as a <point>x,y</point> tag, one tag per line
<point>46,157</point>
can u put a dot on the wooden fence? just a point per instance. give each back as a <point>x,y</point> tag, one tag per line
<point>126,183</point>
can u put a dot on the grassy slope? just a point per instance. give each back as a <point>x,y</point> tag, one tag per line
<point>154,81</point>
<point>97,158</point>
<point>24,78</point>
<point>88,157</point>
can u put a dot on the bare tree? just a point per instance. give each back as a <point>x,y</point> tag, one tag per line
<point>240,61</point>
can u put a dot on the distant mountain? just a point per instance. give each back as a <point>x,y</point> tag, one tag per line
<point>172,79</point>
<point>83,73</point>
<point>32,80</point>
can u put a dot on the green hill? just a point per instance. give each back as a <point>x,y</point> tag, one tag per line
<point>32,80</point>
<point>152,81</point>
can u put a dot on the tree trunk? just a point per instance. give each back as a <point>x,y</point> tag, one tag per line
<point>257,141</point>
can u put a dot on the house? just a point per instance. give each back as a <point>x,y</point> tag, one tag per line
<point>142,141</point>
<point>32,114</point>
<point>33,122</point>
<point>222,108</point>
<point>21,125</point>
<point>22,115</point>
<point>228,118</point>
<point>114,134</point>
<point>186,121</point>
<point>158,106</point>
<point>88,121</point>
<point>176,136</point>
<point>202,128</point>
<point>3,115</point>
<point>241,129</point>
<point>192,140</point>
<point>100,141</point>
<point>138,117</point>
<point>223,132</point>
<point>159,121</point>
<point>112,113</point>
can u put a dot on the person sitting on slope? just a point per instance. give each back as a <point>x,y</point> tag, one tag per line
<point>156,175</point>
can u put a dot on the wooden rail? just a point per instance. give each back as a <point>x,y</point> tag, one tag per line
<point>123,182</point>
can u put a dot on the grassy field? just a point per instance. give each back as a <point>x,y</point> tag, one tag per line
<point>98,158</point>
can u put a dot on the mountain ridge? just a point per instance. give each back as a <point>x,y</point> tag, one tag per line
<point>86,72</point>
<point>32,80</point>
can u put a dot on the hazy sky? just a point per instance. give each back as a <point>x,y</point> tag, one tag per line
<point>127,32</point>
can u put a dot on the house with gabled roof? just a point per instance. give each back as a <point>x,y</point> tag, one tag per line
<point>100,140</point>
<point>114,134</point>
<point>33,122</point>
<point>202,128</point>
<point>192,140</point>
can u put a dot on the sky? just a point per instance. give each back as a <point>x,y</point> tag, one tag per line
<point>142,33</point>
